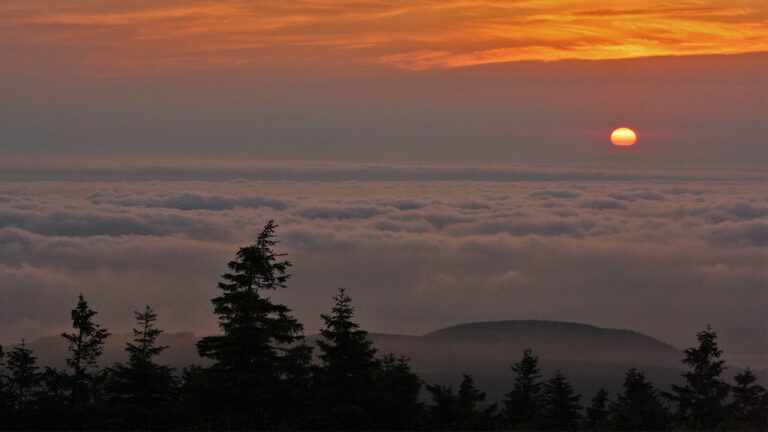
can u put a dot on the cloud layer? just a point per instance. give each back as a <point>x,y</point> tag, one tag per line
<point>108,36</point>
<point>661,257</point>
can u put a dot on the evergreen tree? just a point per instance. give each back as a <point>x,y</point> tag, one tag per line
<point>701,401</point>
<point>560,404</point>
<point>461,410</point>
<point>444,412</point>
<point>86,344</point>
<point>3,388</point>
<point>350,369</point>
<point>640,406</point>
<point>23,377</point>
<point>522,404</point>
<point>749,408</point>
<point>398,405</point>
<point>141,390</point>
<point>597,413</point>
<point>469,398</point>
<point>6,397</point>
<point>53,400</point>
<point>261,357</point>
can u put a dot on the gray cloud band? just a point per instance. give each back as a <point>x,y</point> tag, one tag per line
<point>417,255</point>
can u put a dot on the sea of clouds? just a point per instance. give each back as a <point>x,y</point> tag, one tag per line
<point>658,252</point>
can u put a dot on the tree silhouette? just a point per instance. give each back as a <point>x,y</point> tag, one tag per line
<point>22,374</point>
<point>597,412</point>
<point>640,406</point>
<point>749,407</point>
<point>469,399</point>
<point>522,404</point>
<point>86,344</point>
<point>261,350</point>
<point>398,406</point>
<point>700,402</point>
<point>444,412</point>
<point>458,411</point>
<point>53,400</point>
<point>6,398</point>
<point>141,390</point>
<point>350,369</point>
<point>560,404</point>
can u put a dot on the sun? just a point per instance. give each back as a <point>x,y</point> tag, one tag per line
<point>623,136</point>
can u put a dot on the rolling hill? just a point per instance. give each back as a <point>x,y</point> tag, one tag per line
<point>590,357</point>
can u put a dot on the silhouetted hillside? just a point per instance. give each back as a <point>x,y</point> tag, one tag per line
<point>591,357</point>
<point>52,350</point>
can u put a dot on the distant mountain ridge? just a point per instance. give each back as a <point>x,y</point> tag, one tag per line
<point>591,357</point>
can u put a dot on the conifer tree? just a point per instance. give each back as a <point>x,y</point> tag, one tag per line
<point>749,408</point>
<point>560,404</point>
<point>444,410</point>
<point>640,406</point>
<point>522,404</point>
<point>4,396</point>
<point>86,344</point>
<point>53,400</point>
<point>141,389</point>
<point>701,401</point>
<point>260,355</point>
<point>459,410</point>
<point>6,402</point>
<point>350,370</point>
<point>22,375</point>
<point>469,399</point>
<point>597,412</point>
<point>398,406</point>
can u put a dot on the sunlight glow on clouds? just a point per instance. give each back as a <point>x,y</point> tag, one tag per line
<point>109,36</point>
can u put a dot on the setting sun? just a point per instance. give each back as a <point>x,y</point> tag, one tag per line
<point>623,137</point>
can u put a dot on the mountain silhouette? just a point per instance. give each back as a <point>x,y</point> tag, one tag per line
<point>590,357</point>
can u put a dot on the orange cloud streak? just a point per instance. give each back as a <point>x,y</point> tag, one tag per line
<point>143,36</point>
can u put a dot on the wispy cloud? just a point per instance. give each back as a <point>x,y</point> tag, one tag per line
<point>152,37</point>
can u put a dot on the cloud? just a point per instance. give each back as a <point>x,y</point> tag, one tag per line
<point>84,223</point>
<point>176,36</point>
<point>191,201</point>
<point>450,252</point>
<point>350,212</point>
<point>554,194</point>
<point>634,196</point>
<point>603,205</point>
<point>740,234</point>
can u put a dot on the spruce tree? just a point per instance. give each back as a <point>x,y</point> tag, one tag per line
<point>460,410</point>
<point>4,394</point>
<point>701,401</point>
<point>86,344</point>
<point>560,404</point>
<point>54,400</point>
<point>260,356</point>
<point>597,412</point>
<point>640,406</point>
<point>444,411</point>
<point>522,404</point>
<point>469,399</point>
<point>23,378</point>
<point>349,372</point>
<point>398,406</point>
<point>6,401</point>
<point>141,390</point>
<point>749,408</point>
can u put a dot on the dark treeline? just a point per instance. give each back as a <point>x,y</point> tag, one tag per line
<point>263,377</point>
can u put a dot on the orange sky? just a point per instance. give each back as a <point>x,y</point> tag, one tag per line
<point>149,37</point>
